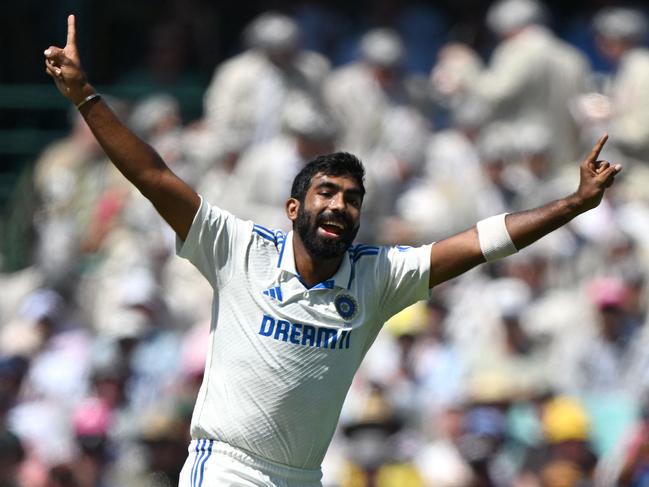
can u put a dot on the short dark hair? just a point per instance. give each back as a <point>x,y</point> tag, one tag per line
<point>335,164</point>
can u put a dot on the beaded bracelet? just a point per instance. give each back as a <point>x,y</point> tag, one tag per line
<point>87,99</point>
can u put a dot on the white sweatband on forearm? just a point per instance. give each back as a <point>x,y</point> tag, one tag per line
<point>495,241</point>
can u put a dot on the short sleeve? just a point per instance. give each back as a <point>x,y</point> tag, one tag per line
<point>213,242</point>
<point>406,273</point>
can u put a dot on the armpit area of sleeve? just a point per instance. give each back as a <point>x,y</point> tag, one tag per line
<point>424,257</point>
<point>186,248</point>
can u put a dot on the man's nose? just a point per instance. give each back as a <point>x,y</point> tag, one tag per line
<point>337,202</point>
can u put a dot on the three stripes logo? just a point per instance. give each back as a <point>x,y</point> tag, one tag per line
<point>274,293</point>
<point>203,452</point>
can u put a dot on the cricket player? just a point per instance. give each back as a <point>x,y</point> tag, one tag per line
<point>294,313</point>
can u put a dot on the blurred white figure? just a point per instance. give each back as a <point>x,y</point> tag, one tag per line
<point>44,428</point>
<point>362,92</point>
<point>612,360</point>
<point>532,174</point>
<point>518,354</point>
<point>392,164</point>
<point>438,367</point>
<point>440,461</point>
<point>500,165</point>
<point>68,176</point>
<point>60,366</point>
<point>246,97</point>
<point>451,171</point>
<point>265,172</point>
<point>157,120</point>
<point>532,75</point>
<point>620,35</point>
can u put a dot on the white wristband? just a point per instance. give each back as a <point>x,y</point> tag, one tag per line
<point>495,241</point>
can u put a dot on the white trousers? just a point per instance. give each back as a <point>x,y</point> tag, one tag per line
<point>216,464</point>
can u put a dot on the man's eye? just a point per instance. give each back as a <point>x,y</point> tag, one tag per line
<point>326,194</point>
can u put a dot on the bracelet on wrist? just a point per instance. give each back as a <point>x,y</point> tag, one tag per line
<point>87,99</point>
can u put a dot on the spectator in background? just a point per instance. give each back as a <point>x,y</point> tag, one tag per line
<point>361,93</point>
<point>517,355</point>
<point>396,159</point>
<point>532,75</point>
<point>451,170</point>
<point>497,150</point>
<point>91,423</point>
<point>109,376</point>
<point>438,368</point>
<point>60,365</point>
<point>163,436</point>
<point>377,452</point>
<point>565,457</point>
<point>439,460</point>
<point>482,446</point>
<point>621,33</point>
<point>68,176</point>
<point>156,119</point>
<point>246,96</point>
<point>155,359</point>
<point>605,363</point>
<point>266,170</point>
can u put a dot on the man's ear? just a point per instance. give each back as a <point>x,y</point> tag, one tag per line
<point>292,207</point>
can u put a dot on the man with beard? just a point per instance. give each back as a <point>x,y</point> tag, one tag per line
<point>294,313</point>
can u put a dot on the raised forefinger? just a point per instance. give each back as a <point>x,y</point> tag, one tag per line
<point>72,33</point>
<point>594,154</point>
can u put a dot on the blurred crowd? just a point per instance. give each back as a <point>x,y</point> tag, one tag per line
<point>528,372</point>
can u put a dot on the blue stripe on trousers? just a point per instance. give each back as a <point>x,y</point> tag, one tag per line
<point>202,467</point>
<point>195,465</point>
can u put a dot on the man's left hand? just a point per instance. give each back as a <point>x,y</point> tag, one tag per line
<point>595,176</point>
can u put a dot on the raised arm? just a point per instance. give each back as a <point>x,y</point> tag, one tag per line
<point>176,202</point>
<point>457,254</point>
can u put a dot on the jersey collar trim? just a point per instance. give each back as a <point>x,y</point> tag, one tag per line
<point>286,263</point>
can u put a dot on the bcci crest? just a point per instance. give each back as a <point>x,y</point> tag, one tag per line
<point>346,306</point>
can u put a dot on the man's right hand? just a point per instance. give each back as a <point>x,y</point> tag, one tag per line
<point>64,65</point>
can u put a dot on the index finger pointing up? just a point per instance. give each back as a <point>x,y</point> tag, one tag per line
<point>72,33</point>
<point>594,154</point>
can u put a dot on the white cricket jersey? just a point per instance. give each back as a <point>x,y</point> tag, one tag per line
<point>281,357</point>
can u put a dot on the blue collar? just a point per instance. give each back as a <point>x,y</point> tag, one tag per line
<point>286,263</point>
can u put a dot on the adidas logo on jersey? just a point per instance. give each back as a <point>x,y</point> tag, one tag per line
<point>274,292</point>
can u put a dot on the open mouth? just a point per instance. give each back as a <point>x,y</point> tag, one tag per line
<point>331,228</point>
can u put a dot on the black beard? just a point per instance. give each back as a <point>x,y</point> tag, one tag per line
<point>319,247</point>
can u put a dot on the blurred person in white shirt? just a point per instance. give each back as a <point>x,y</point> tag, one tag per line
<point>532,74</point>
<point>621,33</point>
<point>362,92</point>
<point>247,93</point>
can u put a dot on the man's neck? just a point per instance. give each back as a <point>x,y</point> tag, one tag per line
<point>313,270</point>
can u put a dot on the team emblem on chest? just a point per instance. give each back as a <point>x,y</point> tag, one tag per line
<point>346,306</point>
